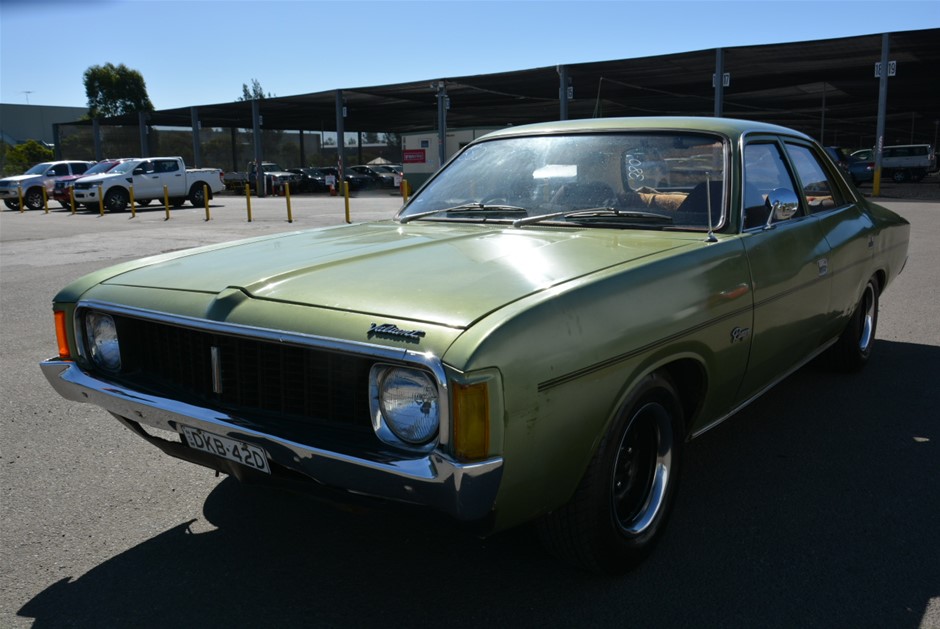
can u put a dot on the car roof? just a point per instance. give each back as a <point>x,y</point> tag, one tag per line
<point>725,126</point>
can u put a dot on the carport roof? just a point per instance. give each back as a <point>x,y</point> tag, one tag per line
<point>805,85</point>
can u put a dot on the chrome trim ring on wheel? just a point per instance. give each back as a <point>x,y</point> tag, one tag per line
<point>641,469</point>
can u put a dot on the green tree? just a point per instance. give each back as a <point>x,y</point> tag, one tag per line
<point>255,93</point>
<point>23,156</point>
<point>115,90</point>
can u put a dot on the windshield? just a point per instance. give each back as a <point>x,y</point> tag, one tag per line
<point>39,169</point>
<point>100,167</point>
<point>648,180</point>
<point>125,167</point>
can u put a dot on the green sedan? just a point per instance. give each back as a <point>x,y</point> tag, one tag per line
<point>533,337</point>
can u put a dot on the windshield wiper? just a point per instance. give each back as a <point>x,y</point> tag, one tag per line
<point>464,207</point>
<point>594,212</point>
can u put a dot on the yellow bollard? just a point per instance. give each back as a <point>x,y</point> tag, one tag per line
<point>166,202</point>
<point>133,207</point>
<point>19,191</point>
<point>100,201</point>
<point>248,199</point>
<point>405,190</point>
<point>876,184</point>
<point>290,217</point>
<point>346,194</point>
<point>45,200</point>
<point>205,197</point>
<point>72,198</point>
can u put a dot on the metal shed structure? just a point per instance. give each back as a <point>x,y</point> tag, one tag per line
<point>826,88</point>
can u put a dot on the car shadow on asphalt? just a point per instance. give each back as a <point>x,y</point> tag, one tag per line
<point>815,506</point>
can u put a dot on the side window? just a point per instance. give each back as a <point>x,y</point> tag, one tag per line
<point>764,172</point>
<point>167,166</point>
<point>60,170</point>
<point>79,167</point>
<point>820,191</point>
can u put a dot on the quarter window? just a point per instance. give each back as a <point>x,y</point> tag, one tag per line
<point>820,191</point>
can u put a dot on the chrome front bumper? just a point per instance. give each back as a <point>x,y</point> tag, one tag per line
<point>465,491</point>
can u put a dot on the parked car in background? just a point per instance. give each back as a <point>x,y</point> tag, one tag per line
<point>378,179</point>
<point>311,179</point>
<point>32,182</point>
<point>391,169</point>
<point>861,170</point>
<point>533,338</point>
<point>276,178</point>
<point>151,178</point>
<point>61,191</point>
<point>838,155</point>
<point>356,181</point>
<point>902,162</point>
<point>857,170</point>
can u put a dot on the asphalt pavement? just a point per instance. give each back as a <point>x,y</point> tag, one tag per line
<point>817,506</point>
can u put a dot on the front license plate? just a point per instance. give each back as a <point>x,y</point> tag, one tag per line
<point>238,451</point>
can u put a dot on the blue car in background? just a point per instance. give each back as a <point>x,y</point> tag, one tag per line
<point>859,168</point>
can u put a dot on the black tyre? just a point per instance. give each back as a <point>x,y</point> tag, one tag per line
<point>65,204</point>
<point>177,202</point>
<point>116,199</point>
<point>623,501</point>
<point>197,195</point>
<point>32,199</point>
<point>853,349</point>
<point>142,202</point>
<point>13,204</point>
<point>900,176</point>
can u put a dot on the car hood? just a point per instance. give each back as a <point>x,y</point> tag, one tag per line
<point>105,177</point>
<point>15,179</point>
<point>442,274</point>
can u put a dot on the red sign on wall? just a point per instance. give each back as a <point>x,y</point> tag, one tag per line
<point>413,156</point>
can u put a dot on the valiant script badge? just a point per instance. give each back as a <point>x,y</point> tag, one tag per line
<point>390,330</point>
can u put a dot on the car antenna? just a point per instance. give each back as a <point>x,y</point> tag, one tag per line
<point>708,205</point>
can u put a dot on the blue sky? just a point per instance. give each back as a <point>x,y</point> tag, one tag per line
<point>201,52</point>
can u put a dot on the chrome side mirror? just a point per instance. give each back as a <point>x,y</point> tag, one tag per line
<point>783,205</point>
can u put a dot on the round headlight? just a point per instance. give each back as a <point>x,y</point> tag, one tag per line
<point>103,341</point>
<point>409,404</point>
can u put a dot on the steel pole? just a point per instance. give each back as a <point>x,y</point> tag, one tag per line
<point>719,81</point>
<point>882,108</point>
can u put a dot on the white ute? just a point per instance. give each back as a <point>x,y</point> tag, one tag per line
<point>149,176</point>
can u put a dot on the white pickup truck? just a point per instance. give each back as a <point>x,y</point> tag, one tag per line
<point>149,176</point>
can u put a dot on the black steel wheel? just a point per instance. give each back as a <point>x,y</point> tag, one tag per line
<point>13,204</point>
<point>116,200</point>
<point>623,501</point>
<point>197,195</point>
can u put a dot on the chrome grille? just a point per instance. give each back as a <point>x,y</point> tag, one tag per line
<point>280,388</point>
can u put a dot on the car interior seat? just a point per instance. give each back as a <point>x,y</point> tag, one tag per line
<point>585,195</point>
<point>694,209</point>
